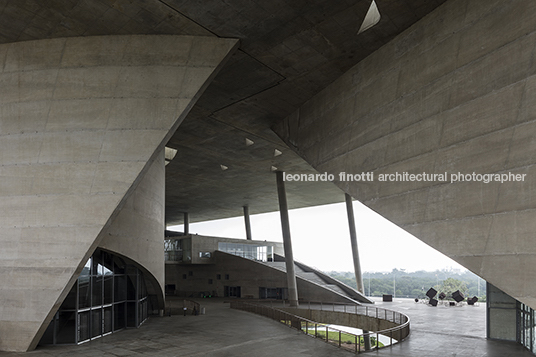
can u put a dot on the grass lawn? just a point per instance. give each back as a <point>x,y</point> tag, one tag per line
<point>333,336</point>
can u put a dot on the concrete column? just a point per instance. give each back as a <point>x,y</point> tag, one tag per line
<point>246,221</point>
<point>353,240</point>
<point>355,254</point>
<point>186,223</point>
<point>287,243</point>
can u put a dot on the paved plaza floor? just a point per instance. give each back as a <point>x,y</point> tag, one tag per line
<point>440,331</point>
<point>447,331</point>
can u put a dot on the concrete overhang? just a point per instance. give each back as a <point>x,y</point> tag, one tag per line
<point>290,50</point>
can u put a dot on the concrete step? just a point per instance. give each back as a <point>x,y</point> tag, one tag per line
<point>277,265</point>
<point>311,277</point>
<point>336,288</point>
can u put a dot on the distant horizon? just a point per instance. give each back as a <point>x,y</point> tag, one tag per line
<point>454,271</point>
<point>320,239</point>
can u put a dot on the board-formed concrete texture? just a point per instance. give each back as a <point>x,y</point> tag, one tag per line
<point>289,51</point>
<point>455,93</point>
<point>82,120</point>
<point>436,86</point>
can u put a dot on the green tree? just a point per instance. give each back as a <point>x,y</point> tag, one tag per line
<point>415,284</point>
<point>450,285</point>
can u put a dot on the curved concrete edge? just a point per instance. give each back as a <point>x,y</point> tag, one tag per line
<point>82,120</point>
<point>137,232</point>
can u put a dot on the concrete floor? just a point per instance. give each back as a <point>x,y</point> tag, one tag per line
<point>447,331</point>
<point>441,331</point>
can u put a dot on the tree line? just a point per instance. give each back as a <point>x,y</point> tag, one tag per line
<point>415,284</point>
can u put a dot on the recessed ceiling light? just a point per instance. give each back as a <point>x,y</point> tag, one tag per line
<point>371,18</point>
<point>277,152</point>
<point>169,154</point>
<point>223,167</point>
<point>273,168</point>
<point>249,142</point>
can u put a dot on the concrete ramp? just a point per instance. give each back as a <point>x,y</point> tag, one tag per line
<point>316,277</point>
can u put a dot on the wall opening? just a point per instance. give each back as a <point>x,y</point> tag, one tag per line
<point>109,295</point>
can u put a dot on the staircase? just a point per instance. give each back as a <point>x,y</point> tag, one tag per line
<point>316,277</point>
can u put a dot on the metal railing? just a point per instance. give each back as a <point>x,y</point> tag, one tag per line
<point>370,311</point>
<point>343,339</point>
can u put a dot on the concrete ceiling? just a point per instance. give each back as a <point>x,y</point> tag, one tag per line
<point>290,50</point>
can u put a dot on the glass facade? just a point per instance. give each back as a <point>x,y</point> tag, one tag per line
<point>527,332</point>
<point>178,250</point>
<point>108,296</point>
<point>260,253</point>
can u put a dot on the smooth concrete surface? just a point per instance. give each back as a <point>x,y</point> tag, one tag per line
<point>220,332</point>
<point>452,94</point>
<point>289,50</point>
<point>447,331</point>
<point>137,231</point>
<point>82,120</point>
<point>456,331</point>
<point>195,280</point>
<point>443,331</point>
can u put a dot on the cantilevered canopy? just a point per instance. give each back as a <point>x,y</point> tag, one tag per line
<point>289,51</point>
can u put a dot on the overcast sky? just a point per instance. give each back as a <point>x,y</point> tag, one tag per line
<point>320,238</point>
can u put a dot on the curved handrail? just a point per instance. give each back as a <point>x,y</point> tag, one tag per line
<point>386,312</point>
<point>297,322</point>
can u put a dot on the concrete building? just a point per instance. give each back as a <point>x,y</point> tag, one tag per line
<point>199,266</point>
<point>92,91</point>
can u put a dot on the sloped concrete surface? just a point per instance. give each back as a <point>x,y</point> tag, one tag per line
<point>82,120</point>
<point>452,94</point>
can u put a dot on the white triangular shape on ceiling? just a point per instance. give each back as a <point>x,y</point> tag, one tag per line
<point>371,18</point>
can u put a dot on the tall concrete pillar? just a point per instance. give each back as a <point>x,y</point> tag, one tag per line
<point>287,243</point>
<point>353,240</point>
<point>355,254</point>
<point>246,221</point>
<point>186,223</point>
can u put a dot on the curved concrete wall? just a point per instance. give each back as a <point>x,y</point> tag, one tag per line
<point>137,231</point>
<point>454,93</point>
<point>81,119</point>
